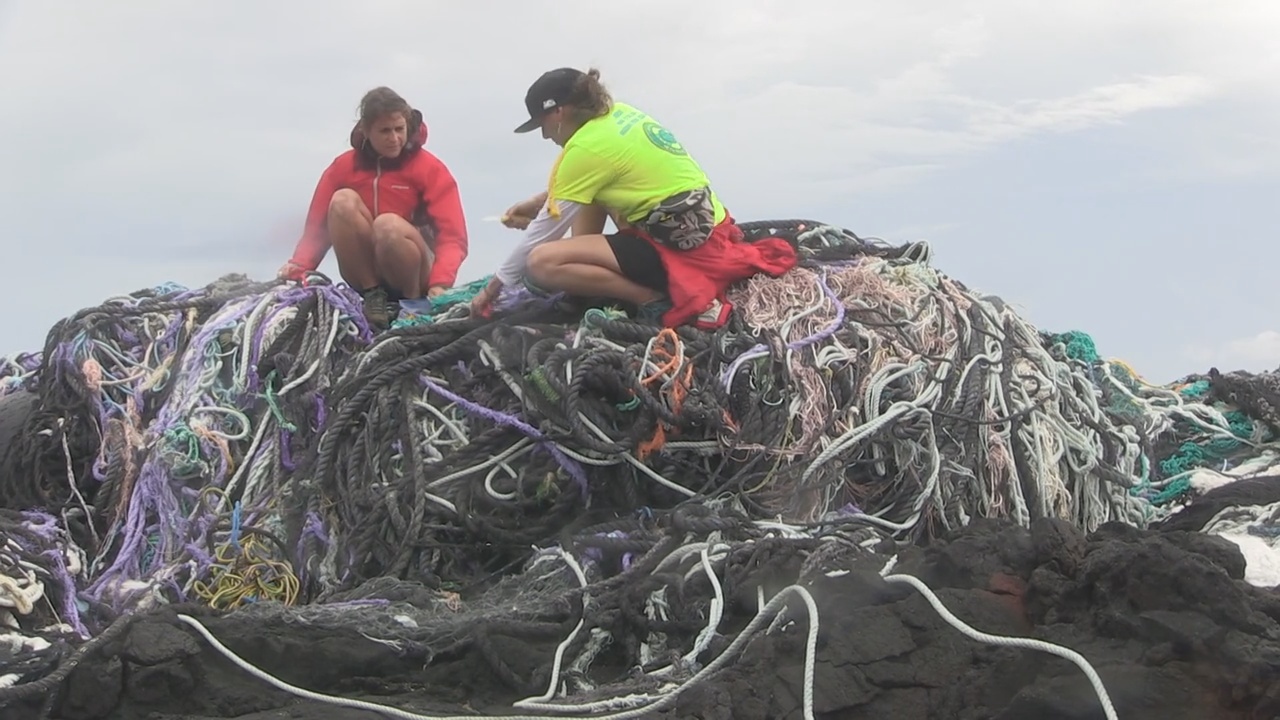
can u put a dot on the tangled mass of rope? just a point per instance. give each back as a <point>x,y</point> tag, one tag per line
<point>256,444</point>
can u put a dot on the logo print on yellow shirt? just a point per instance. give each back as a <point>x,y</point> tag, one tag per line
<point>663,138</point>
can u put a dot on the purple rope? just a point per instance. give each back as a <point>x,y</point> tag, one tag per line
<point>155,509</point>
<point>202,557</point>
<point>64,357</point>
<point>70,611</point>
<point>128,561</point>
<point>321,415</point>
<point>286,454</point>
<point>567,463</point>
<point>825,333</point>
<point>45,527</point>
<point>522,297</point>
<point>154,527</point>
<point>202,529</point>
<point>12,373</point>
<point>42,524</point>
<point>832,327</point>
<point>152,490</point>
<point>169,338</point>
<point>312,528</point>
<point>178,592</point>
<point>288,298</point>
<point>349,304</point>
<point>254,383</point>
<point>99,469</point>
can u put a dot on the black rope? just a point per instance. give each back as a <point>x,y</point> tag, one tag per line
<point>409,488</point>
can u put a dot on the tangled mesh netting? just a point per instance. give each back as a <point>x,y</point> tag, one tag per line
<point>559,472</point>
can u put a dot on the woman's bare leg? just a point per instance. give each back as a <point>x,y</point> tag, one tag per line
<point>350,227</point>
<point>585,265</point>
<point>401,254</point>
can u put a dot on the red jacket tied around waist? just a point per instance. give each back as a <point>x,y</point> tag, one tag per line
<point>416,185</point>
<point>699,276</point>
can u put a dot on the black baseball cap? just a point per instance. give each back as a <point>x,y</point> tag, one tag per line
<point>547,93</point>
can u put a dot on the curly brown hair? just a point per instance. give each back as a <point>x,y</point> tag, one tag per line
<point>589,99</point>
<point>381,102</point>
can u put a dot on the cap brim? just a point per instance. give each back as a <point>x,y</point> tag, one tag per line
<point>530,125</point>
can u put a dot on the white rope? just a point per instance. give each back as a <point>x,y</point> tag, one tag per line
<point>560,649</point>
<point>1026,643</point>
<point>644,703</point>
<point>766,614</point>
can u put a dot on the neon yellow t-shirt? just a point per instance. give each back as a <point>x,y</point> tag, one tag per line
<point>627,162</point>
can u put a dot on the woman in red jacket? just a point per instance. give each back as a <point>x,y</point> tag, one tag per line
<point>389,209</point>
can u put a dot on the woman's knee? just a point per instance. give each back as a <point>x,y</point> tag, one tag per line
<point>395,241</point>
<point>389,227</point>
<point>347,205</point>
<point>541,262</point>
<point>384,227</point>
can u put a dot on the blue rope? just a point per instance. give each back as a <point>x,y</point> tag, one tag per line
<point>235,526</point>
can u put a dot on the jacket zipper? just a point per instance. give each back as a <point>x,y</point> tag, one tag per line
<point>376,176</point>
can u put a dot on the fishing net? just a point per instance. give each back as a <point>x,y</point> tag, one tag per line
<point>649,599</point>
<point>560,469</point>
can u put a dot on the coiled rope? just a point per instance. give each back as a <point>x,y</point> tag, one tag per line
<point>254,443</point>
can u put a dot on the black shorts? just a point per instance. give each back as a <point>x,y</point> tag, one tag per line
<point>638,260</point>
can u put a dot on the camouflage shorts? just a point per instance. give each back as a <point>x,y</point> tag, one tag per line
<point>683,221</point>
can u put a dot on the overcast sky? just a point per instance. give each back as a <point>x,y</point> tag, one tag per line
<point>1108,166</point>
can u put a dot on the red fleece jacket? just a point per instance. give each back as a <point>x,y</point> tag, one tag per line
<point>697,277</point>
<point>417,186</point>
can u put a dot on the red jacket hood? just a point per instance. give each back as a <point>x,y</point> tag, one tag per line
<point>416,141</point>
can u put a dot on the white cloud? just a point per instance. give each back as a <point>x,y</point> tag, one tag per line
<point>1105,104</point>
<point>1257,353</point>
<point>167,129</point>
<point>900,125</point>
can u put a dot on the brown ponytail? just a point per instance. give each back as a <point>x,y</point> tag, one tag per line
<point>589,99</point>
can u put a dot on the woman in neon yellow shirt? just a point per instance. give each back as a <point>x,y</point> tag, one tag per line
<point>677,249</point>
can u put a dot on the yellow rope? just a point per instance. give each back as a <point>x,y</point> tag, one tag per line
<point>249,575</point>
<point>1132,372</point>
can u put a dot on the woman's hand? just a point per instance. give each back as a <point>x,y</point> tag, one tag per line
<point>519,216</point>
<point>290,271</point>
<point>516,221</point>
<point>482,303</point>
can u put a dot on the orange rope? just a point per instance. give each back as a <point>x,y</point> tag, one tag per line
<point>668,363</point>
